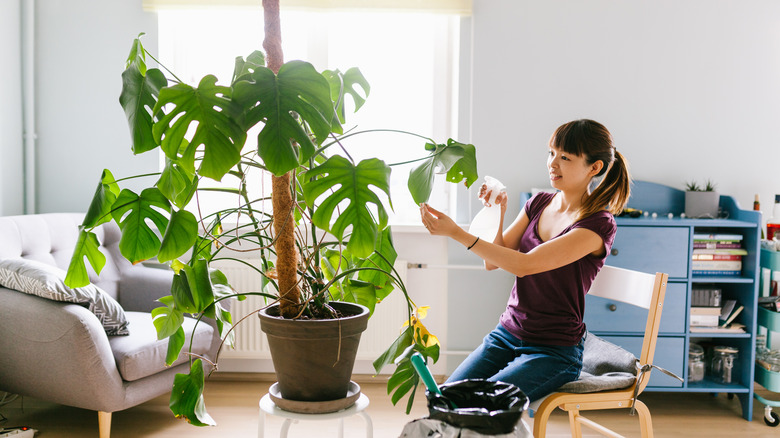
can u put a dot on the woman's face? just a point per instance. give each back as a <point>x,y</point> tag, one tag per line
<point>569,171</point>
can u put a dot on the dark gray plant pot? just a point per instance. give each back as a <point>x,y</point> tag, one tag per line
<point>313,359</point>
<point>702,204</point>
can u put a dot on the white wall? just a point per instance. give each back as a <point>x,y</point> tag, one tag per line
<point>690,89</point>
<point>81,48</point>
<point>11,161</point>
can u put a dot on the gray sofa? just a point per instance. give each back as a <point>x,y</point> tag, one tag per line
<point>59,351</point>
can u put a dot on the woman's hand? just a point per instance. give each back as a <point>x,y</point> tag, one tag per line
<point>501,199</point>
<point>437,223</point>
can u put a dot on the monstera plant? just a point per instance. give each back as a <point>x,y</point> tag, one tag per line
<point>326,236</point>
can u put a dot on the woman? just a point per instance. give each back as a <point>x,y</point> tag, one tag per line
<point>555,247</point>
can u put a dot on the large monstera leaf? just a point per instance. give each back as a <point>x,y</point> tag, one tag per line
<point>459,160</point>
<point>347,182</point>
<point>219,127</point>
<point>139,242</point>
<point>278,101</point>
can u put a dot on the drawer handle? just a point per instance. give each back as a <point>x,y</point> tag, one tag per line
<point>612,307</point>
<point>614,251</point>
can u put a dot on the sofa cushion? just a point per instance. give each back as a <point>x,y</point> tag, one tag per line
<point>141,354</point>
<point>46,281</point>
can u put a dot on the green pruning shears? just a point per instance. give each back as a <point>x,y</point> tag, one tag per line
<point>419,365</point>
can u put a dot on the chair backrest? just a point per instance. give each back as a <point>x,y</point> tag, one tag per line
<point>639,289</point>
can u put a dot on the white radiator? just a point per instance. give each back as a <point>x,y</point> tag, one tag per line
<point>383,327</point>
<point>250,340</point>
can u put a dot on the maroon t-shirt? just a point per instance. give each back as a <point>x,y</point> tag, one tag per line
<point>548,307</point>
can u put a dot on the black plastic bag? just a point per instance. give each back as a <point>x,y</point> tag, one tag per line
<point>486,407</point>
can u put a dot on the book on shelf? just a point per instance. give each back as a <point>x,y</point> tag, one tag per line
<point>733,315</point>
<point>715,245</point>
<point>718,254</point>
<point>716,273</point>
<point>727,308</point>
<point>704,320</point>
<point>716,265</point>
<point>715,257</point>
<point>706,310</point>
<point>717,237</point>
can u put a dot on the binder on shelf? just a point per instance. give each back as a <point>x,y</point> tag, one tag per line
<point>705,297</point>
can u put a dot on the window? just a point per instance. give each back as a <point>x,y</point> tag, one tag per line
<point>410,59</point>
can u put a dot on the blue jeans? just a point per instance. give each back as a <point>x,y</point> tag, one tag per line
<point>537,369</point>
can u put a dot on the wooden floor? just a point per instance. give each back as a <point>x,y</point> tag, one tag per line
<point>233,404</point>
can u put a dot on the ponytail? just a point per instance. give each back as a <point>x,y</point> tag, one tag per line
<point>613,191</point>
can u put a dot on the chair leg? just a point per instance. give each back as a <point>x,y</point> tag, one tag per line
<point>104,424</point>
<point>540,419</point>
<point>645,421</point>
<point>576,428</point>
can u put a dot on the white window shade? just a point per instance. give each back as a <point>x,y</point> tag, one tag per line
<point>456,7</point>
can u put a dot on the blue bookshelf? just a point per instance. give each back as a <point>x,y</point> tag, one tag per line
<point>665,245</point>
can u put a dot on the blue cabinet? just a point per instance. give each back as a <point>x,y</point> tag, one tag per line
<point>651,248</point>
<point>607,316</point>
<point>665,245</point>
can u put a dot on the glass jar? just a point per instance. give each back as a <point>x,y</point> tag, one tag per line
<point>695,363</point>
<point>724,364</point>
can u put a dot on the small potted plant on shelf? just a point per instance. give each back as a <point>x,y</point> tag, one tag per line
<point>325,244</point>
<point>701,201</point>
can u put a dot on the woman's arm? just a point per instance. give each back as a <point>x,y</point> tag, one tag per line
<point>550,255</point>
<point>511,237</point>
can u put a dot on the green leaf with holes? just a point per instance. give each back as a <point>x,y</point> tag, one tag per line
<point>281,102</point>
<point>458,160</point>
<point>343,84</point>
<point>215,117</point>
<point>133,213</point>
<point>347,193</point>
<point>87,246</point>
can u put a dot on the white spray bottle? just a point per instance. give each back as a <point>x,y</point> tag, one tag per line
<point>486,222</point>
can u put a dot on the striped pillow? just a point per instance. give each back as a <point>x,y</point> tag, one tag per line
<point>46,281</point>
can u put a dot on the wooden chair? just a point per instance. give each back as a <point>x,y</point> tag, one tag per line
<point>632,287</point>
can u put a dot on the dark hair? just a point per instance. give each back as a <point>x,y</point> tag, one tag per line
<point>590,139</point>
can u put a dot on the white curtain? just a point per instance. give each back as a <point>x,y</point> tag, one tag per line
<point>458,7</point>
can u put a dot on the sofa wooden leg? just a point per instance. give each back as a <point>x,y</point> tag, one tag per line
<point>104,424</point>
